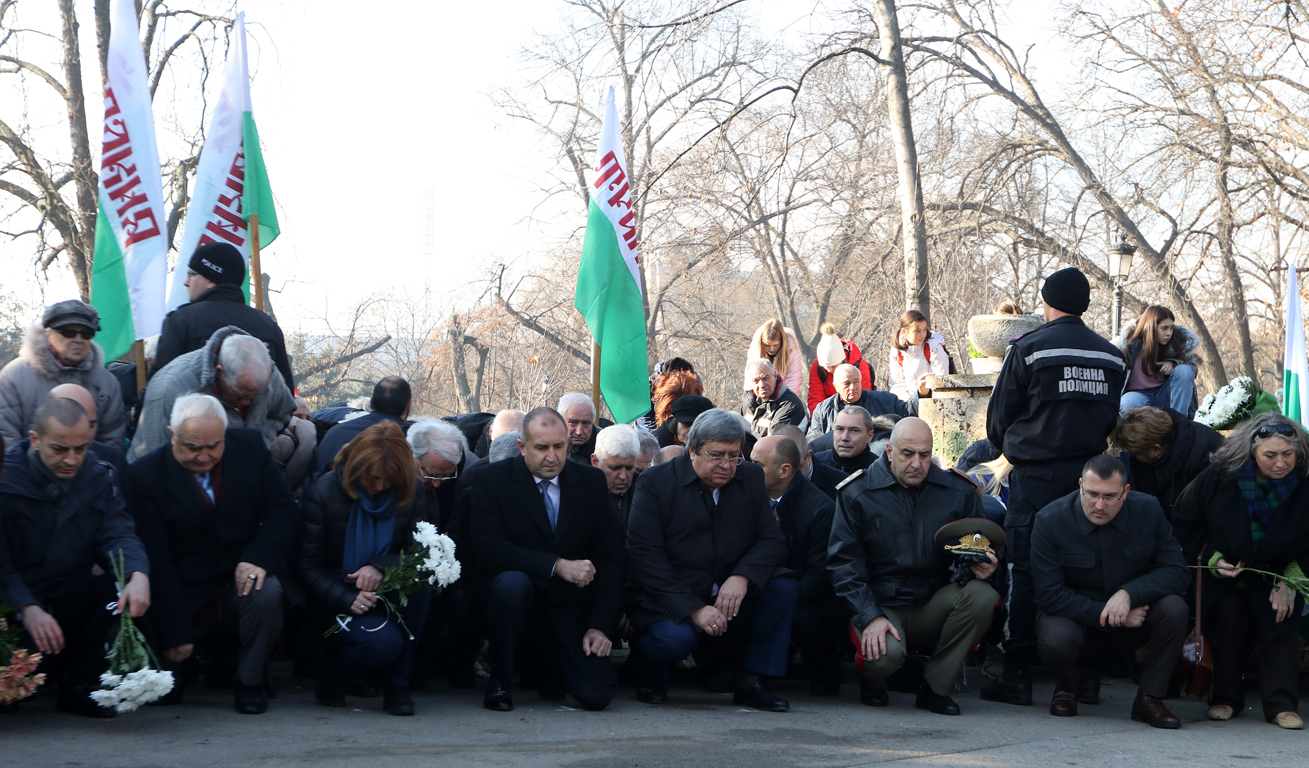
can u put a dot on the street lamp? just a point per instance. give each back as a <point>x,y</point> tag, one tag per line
<point>1120,265</point>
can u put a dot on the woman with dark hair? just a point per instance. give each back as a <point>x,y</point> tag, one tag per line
<point>1161,369</point>
<point>355,521</point>
<point>1250,510</point>
<point>778,345</point>
<point>916,351</point>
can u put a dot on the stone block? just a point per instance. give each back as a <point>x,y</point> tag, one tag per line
<point>990,334</point>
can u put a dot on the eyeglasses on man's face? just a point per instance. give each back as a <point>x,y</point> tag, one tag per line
<point>1095,498</point>
<point>724,459</point>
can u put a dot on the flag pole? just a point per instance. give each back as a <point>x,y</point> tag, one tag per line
<point>256,274</point>
<point>138,350</point>
<point>595,377</point>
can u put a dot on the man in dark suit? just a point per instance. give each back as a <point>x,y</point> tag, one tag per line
<point>805,514</point>
<point>824,477</point>
<point>390,402</point>
<point>703,548</point>
<point>217,521</point>
<point>1109,576</point>
<point>548,548</point>
<point>617,451</point>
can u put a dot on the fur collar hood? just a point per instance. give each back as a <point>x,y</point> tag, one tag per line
<point>36,352</point>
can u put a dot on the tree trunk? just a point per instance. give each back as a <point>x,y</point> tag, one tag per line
<point>85,178</point>
<point>914,230</point>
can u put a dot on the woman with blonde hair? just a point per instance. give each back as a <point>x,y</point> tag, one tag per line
<point>354,523</point>
<point>778,345</point>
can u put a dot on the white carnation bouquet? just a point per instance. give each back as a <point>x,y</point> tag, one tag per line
<point>133,678</point>
<point>1240,400</point>
<point>430,559</point>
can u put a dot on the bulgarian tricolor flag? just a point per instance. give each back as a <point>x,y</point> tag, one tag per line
<point>1295,366</point>
<point>231,183</point>
<point>609,279</point>
<point>130,266</point>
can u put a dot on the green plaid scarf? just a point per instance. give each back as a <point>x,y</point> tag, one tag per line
<point>1263,497</point>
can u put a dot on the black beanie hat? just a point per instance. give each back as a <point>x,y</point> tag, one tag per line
<point>219,263</point>
<point>1067,291</point>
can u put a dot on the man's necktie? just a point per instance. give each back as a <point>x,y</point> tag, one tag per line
<point>206,484</point>
<point>550,510</point>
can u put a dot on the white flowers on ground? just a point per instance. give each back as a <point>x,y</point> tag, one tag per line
<point>440,559</point>
<point>1230,405</point>
<point>125,693</point>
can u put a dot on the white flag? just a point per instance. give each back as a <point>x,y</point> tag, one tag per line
<point>214,213</point>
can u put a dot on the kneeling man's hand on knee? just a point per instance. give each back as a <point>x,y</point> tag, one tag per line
<point>873,640</point>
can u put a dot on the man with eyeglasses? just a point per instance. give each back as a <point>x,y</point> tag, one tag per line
<point>60,351</point>
<point>703,551</point>
<point>1109,577</point>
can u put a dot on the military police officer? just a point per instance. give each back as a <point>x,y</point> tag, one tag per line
<point>1055,403</point>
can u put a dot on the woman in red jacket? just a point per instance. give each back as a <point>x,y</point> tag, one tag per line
<point>833,351</point>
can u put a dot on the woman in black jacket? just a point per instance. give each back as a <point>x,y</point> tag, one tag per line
<point>355,521</point>
<point>1250,509</point>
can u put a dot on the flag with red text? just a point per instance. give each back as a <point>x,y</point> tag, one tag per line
<point>130,267</point>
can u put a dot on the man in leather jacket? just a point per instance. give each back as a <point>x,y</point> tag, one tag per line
<point>885,565</point>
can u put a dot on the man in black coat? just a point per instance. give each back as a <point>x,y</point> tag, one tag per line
<point>213,283</point>
<point>583,424</point>
<point>1109,577</point>
<point>703,549</point>
<point>1054,404</point>
<point>111,454</point>
<point>549,551</point>
<point>770,403</point>
<point>218,523</point>
<point>853,432</point>
<point>61,515</point>
<point>896,579</point>
<point>390,402</point>
<point>617,450</point>
<point>1167,451</point>
<point>823,477</point>
<point>805,515</point>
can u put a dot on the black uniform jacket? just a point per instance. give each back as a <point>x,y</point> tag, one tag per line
<point>679,546</point>
<point>47,548</point>
<point>881,552</point>
<point>189,327</point>
<point>1057,394</point>
<point>511,532</point>
<point>194,544</point>
<point>1211,515</point>
<point>1078,565</point>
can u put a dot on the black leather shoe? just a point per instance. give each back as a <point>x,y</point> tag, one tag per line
<point>651,696</point>
<point>873,694</point>
<point>396,700</point>
<point>497,698</point>
<point>250,700</point>
<point>934,702</point>
<point>76,700</point>
<point>759,697</point>
<point>1089,691</point>
<point>1011,687</point>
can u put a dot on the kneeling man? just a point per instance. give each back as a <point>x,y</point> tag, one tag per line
<point>218,522</point>
<point>897,581</point>
<point>547,546</point>
<point>1109,576</point>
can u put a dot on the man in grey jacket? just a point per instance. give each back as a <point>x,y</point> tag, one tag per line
<point>60,351</point>
<point>234,367</point>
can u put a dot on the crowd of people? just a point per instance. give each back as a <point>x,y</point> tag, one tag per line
<point>812,524</point>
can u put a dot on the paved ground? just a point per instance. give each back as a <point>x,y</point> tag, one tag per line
<point>694,729</point>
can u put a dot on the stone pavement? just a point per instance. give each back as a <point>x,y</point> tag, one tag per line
<point>694,729</point>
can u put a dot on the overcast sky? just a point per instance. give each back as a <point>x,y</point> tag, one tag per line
<point>371,113</point>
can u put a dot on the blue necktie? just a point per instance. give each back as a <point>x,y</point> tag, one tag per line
<point>206,484</point>
<point>550,510</point>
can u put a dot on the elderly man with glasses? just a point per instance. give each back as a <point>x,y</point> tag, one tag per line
<point>60,351</point>
<point>1109,576</point>
<point>703,548</point>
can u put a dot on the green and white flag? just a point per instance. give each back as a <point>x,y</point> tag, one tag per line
<point>231,182</point>
<point>130,267</point>
<point>609,279</point>
<point>1295,366</point>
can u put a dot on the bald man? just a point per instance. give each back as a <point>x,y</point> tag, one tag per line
<point>896,580</point>
<point>103,451</point>
<point>805,514</point>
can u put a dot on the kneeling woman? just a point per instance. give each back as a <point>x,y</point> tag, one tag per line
<point>355,520</point>
<point>1250,510</point>
<point>1160,369</point>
